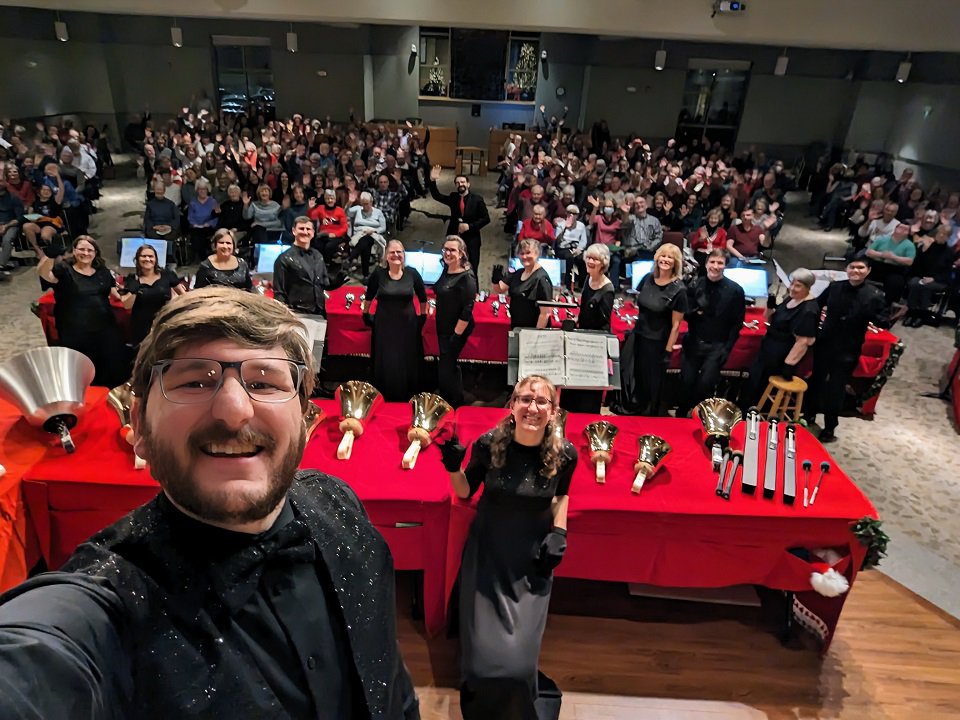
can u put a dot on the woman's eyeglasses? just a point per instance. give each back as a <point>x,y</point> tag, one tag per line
<point>542,403</point>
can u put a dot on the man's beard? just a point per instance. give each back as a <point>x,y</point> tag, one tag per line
<point>176,480</point>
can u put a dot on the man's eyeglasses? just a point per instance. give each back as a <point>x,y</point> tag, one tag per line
<point>542,403</point>
<point>187,381</point>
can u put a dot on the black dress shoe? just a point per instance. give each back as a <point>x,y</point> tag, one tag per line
<point>826,436</point>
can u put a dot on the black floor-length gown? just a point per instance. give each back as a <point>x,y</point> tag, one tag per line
<point>504,597</point>
<point>397,347</point>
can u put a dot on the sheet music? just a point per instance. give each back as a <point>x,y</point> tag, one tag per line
<point>541,353</point>
<point>587,364</point>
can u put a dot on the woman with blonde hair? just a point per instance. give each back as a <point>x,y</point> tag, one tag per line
<point>517,539</point>
<point>662,301</point>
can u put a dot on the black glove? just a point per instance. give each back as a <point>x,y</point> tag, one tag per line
<point>552,548</point>
<point>452,453</point>
<point>667,357</point>
<point>497,275</point>
<point>771,302</point>
<point>421,320</point>
<point>54,249</point>
<point>368,319</point>
<point>787,372</point>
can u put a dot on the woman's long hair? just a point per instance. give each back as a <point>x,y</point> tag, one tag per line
<point>551,449</point>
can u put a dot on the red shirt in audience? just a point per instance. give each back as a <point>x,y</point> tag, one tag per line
<point>746,242</point>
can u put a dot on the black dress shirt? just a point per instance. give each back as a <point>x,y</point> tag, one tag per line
<point>455,298</point>
<point>299,277</point>
<point>849,310</point>
<point>715,311</point>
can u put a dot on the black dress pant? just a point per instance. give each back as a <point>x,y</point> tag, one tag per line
<point>473,253</point>
<point>700,366</point>
<point>832,370</point>
<point>572,261</point>
<point>920,295</point>
<point>449,376</point>
<point>329,245</point>
<point>892,277</point>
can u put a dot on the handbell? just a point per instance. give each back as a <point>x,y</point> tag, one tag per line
<point>560,423</point>
<point>600,436</point>
<point>495,305</point>
<point>358,400</point>
<point>348,300</point>
<point>431,413</point>
<point>312,419</point>
<point>718,416</point>
<point>652,451</point>
<point>121,399</point>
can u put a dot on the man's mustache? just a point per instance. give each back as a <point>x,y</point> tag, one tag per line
<point>219,433</point>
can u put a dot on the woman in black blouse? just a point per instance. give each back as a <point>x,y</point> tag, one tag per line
<point>455,291</point>
<point>596,309</point>
<point>397,345</point>
<point>223,267</point>
<point>662,301</point>
<point>82,288</point>
<point>145,291</point>
<point>525,287</point>
<point>517,539</point>
<point>793,329</point>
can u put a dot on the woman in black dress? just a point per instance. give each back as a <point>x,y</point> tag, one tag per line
<point>223,267</point>
<point>455,291</point>
<point>596,309</point>
<point>793,329</point>
<point>662,301</point>
<point>525,287</point>
<point>82,288</point>
<point>145,291</point>
<point>397,345</point>
<point>517,539</point>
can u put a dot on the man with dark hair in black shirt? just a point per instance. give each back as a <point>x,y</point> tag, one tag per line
<point>300,274</point>
<point>468,213</point>
<point>715,311</point>
<point>245,588</point>
<point>847,307</point>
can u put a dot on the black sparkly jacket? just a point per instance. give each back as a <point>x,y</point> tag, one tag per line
<point>164,650</point>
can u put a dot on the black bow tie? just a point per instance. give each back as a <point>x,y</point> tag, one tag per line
<point>235,579</point>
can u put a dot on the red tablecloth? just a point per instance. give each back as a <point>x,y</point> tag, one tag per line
<point>70,497</point>
<point>410,508</point>
<point>677,532</point>
<point>954,388</point>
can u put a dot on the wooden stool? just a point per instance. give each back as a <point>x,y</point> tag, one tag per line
<point>784,396</point>
<point>467,155</point>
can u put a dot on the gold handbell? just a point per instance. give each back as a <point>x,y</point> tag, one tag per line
<point>718,416</point>
<point>431,413</point>
<point>312,419</point>
<point>600,436</point>
<point>560,423</point>
<point>121,399</point>
<point>358,400</point>
<point>653,450</point>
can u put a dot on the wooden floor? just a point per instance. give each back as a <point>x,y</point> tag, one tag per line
<point>617,656</point>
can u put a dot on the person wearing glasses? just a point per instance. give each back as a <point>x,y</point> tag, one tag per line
<point>455,290</point>
<point>145,291</point>
<point>516,541</point>
<point>267,589</point>
<point>526,287</point>
<point>396,348</point>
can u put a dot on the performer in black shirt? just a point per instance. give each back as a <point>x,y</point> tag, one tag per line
<point>146,290</point>
<point>455,290</point>
<point>646,352</point>
<point>526,287</point>
<point>793,329</point>
<point>517,539</point>
<point>300,275</point>
<point>468,213</point>
<point>715,309</point>
<point>223,267</point>
<point>245,589</point>
<point>596,309</point>
<point>850,306</point>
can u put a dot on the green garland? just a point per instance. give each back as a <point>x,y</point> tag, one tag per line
<point>886,372</point>
<point>871,535</point>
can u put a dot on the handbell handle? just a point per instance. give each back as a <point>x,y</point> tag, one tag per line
<point>639,480</point>
<point>410,456</point>
<point>138,462</point>
<point>346,446</point>
<point>601,472</point>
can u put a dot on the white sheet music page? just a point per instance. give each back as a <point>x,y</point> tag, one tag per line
<point>586,360</point>
<point>541,353</point>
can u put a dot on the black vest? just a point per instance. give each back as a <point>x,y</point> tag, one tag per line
<point>186,657</point>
